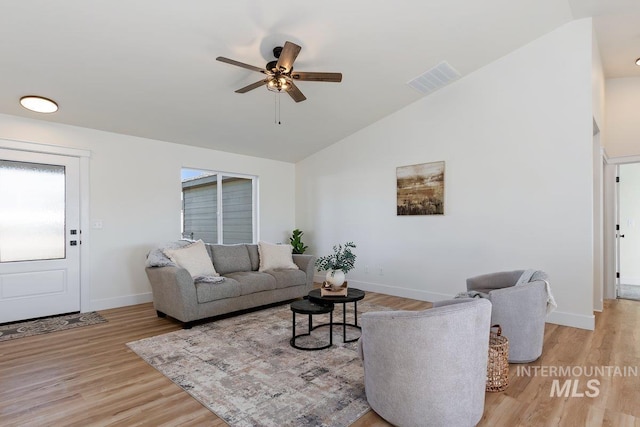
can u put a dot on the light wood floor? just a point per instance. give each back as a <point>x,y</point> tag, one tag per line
<point>88,377</point>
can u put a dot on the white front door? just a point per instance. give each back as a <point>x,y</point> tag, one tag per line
<point>39,235</point>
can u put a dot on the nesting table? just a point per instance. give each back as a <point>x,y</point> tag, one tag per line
<point>353,295</point>
<point>308,307</point>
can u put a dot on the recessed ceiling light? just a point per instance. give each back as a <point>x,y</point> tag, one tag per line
<point>638,61</point>
<point>39,104</point>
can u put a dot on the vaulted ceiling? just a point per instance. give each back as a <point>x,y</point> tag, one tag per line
<point>147,67</point>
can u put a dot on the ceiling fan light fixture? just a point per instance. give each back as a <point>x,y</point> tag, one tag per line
<point>279,84</point>
<point>39,104</point>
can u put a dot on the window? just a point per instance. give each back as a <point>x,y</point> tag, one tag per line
<point>218,207</point>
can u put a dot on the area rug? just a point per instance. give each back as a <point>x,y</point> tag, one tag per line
<point>46,325</point>
<point>244,370</point>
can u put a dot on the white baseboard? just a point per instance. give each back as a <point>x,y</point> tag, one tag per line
<point>557,317</point>
<point>625,280</point>
<point>107,303</point>
<point>574,320</point>
<point>399,291</point>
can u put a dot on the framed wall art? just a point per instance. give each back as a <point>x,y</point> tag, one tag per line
<point>420,189</point>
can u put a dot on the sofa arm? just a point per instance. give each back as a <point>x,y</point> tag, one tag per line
<point>306,263</point>
<point>174,292</point>
<point>521,312</point>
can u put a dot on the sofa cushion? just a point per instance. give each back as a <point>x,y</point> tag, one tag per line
<point>286,278</point>
<point>230,258</point>
<point>254,256</point>
<point>253,281</point>
<point>275,256</point>
<point>193,258</point>
<point>216,291</point>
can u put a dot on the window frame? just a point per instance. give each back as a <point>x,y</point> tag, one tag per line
<point>220,176</point>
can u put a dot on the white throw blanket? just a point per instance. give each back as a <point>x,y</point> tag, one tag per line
<point>526,278</point>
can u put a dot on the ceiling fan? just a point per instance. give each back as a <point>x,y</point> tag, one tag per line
<point>280,74</point>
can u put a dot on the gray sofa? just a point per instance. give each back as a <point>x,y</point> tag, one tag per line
<point>175,294</point>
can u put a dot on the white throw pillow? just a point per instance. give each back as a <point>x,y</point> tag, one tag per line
<point>193,258</point>
<point>275,256</point>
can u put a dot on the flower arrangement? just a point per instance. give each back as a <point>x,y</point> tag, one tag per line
<point>341,259</point>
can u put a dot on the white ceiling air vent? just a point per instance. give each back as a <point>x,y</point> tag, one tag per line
<point>435,78</point>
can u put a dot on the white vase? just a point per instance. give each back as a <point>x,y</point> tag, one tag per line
<point>335,277</point>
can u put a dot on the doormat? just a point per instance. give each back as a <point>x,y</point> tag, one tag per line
<point>45,325</point>
<point>244,370</point>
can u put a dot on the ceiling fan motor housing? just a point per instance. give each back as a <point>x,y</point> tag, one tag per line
<point>271,65</point>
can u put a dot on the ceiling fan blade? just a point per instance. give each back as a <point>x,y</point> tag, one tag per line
<point>295,93</point>
<point>252,86</point>
<point>240,64</point>
<point>288,55</point>
<point>317,77</point>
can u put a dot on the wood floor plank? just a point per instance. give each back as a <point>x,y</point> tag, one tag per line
<point>89,377</point>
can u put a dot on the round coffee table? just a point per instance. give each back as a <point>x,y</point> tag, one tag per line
<point>310,308</point>
<point>353,295</point>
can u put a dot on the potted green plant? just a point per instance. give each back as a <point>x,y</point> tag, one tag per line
<point>296,242</point>
<point>339,263</point>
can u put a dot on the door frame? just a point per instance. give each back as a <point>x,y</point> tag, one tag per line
<point>83,156</point>
<point>611,212</point>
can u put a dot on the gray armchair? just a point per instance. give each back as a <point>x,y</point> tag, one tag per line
<point>427,368</point>
<point>520,310</point>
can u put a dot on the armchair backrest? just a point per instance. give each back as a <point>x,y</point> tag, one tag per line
<point>499,280</point>
<point>428,366</point>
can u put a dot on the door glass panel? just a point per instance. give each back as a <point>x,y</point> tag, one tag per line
<point>32,211</point>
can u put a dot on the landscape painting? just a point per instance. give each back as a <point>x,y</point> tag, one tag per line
<point>420,189</point>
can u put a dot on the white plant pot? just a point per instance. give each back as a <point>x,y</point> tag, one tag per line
<point>335,277</point>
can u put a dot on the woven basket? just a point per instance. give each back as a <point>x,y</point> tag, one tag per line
<point>498,364</point>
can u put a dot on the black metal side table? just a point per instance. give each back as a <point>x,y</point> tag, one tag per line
<point>310,308</point>
<point>353,295</point>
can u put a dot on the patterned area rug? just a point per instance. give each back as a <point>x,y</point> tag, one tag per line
<point>46,325</point>
<point>244,370</point>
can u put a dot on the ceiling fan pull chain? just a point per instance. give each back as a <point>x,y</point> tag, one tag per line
<point>279,110</point>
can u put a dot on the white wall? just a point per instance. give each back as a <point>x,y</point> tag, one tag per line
<point>516,137</point>
<point>622,125</point>
<point>135,191</point>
